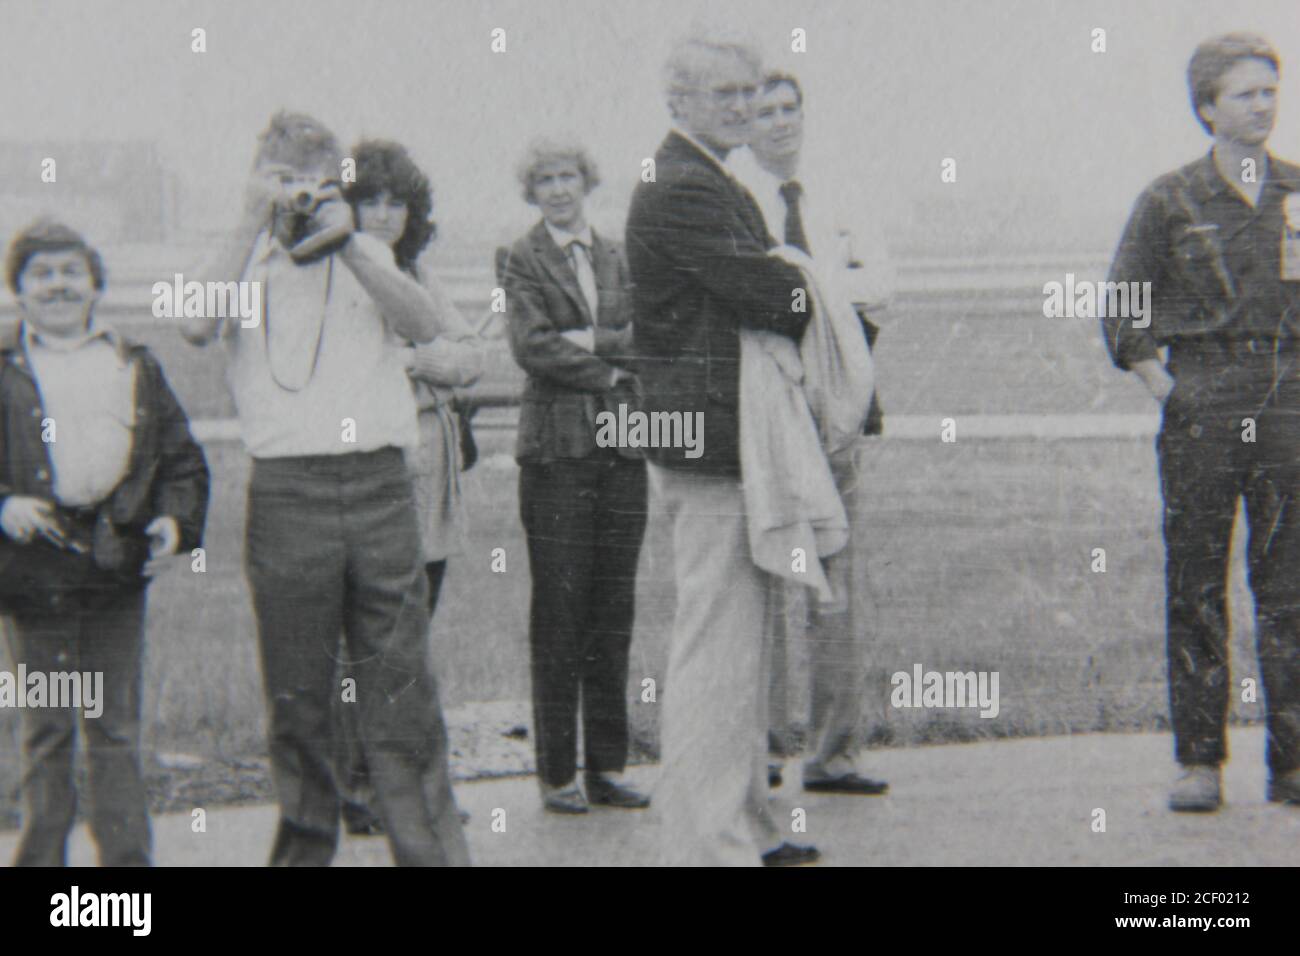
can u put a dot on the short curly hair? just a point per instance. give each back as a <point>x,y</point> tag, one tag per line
<point>386,166</point>
<point>1215,57</point>
<point>49,235</point>
<point>549,149</point>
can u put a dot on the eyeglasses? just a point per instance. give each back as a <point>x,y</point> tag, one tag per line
<point>725,94</point>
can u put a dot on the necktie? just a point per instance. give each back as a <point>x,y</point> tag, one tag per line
<point>580,262</point>
<point>794,235</point>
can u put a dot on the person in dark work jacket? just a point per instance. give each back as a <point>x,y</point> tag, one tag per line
<point>100,482</point>
<point>1219,243</point>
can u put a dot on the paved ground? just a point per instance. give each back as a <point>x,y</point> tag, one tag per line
<point>1021,802</point>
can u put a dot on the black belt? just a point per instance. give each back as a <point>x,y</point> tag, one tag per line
<point>343,464</point>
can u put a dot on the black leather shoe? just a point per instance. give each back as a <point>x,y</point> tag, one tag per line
<point>791,854</point>
<point>1285,789</point>
<point>610,793</point>
<point>360,820</point>
<point>568,799</point>
<point>853,783</point>
<point>774,778</point>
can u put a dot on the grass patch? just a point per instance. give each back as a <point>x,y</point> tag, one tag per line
<point>981,562</point>
<point>982,554</point>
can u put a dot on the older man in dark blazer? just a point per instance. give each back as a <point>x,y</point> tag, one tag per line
<point>698,253</point>
<point>583,506</point>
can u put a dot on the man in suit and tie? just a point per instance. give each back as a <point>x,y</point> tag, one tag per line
<point>698,253</point>
<point>838,635</point>
<point>583,506</point>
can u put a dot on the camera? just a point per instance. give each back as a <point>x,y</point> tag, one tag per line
<point>298,202</point>
<point>296,207</point>
<point>302,199</point>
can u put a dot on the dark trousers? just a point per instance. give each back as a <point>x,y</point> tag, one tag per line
<point>1205,466</point>
<point>355,789</point>
<point>585,519</point>
<point>90,632</point>
<point>332,546</point>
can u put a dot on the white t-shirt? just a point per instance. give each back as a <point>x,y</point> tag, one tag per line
<point>87,389</point>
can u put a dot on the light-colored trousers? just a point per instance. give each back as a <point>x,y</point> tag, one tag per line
<point>837,640</point>
<point>712,794</point>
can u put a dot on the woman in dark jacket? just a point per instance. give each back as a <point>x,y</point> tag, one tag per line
<point>583,505</point>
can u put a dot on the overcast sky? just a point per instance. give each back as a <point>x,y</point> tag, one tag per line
<point>1009,88</point>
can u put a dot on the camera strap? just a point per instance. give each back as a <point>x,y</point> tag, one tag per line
<point>320,331</point>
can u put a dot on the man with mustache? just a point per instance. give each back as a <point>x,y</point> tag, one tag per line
<point>100,484</point>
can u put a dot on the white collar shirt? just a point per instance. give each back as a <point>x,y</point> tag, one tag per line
<point>833,243</point>
<point>87,390</point>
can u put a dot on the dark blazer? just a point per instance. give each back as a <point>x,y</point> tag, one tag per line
<point>697,250</point>
<point>167,473</point>
<point>567,385</point>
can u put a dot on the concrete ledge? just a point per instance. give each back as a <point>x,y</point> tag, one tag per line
<point>903,427</point>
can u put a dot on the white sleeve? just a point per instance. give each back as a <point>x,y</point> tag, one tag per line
<point>871,286</point>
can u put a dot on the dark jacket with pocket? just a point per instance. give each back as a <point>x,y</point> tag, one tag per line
<point>567,385</point>
<point>1214,263</point>
<point>697,249</point>
<point>167,474</point>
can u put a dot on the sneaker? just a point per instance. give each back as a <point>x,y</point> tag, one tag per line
<point>1198,790</point>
